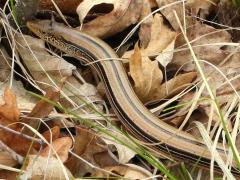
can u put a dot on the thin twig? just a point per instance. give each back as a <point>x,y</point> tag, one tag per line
<point>13,154</point>
<point>21,134</point>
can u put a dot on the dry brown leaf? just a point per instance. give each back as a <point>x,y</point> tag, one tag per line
<point>174,85</point>
<point>38,59</point>
<point>6,159</point>
<point>192,128</point>
<point>201,34</point>
<point>161,37</point>
<point>146,75</point>
<point>205,107</point>
<point>46,165</point>
<point>41,109</point>
<point>9,175</point>
<point>145,28</point>
<point>66,6</point>
<point>153,3</point>
<point>195,7</point>
<point>165,57</point>
<point>5,64</point>
<point>9,111</point>
<point>58,69</point>
<point>17,143</point>
<point>228,14</point>
<point>201,7</point>
<point>80,92</point>
<point>230,69</point>
<point>52,134</point>
<point>39,167</point>
<point>124,13</point>
<point>25,101</point>
<point>128,171</point>
<point>169,12</point>
<point>61,146</point>
<point>124,153</point>
<point>92,149</point>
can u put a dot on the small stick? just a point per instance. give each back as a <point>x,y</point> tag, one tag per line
<point>21,134</point>
<point>13,154</point>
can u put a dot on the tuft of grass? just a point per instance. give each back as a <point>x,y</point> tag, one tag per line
<point>134,146</point>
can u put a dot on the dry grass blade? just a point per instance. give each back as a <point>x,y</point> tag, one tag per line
<point>215,154</point>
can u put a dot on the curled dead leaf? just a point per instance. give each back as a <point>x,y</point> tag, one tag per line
<point>124,13</point>
<point>148,78</point>
<point>161,37</point>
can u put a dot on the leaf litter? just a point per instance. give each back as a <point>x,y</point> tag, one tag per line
<point>159,65</point>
